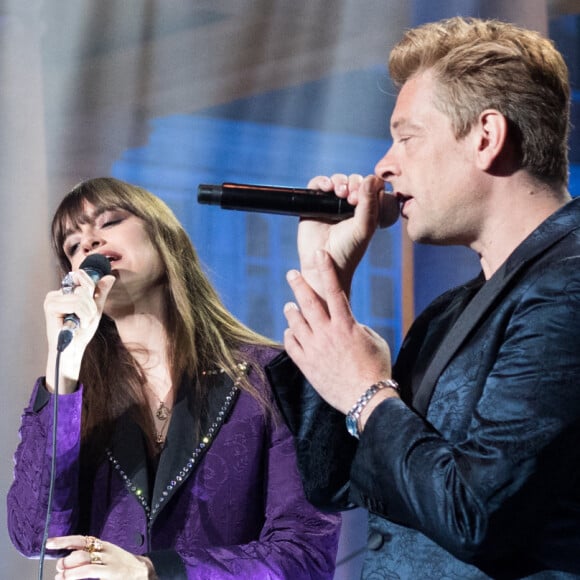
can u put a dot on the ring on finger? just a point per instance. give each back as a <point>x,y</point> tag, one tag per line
<point>68,284</point>
<point>93,544</point>
<point>96,558</point>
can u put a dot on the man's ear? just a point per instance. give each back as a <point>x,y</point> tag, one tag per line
<point>491,131</point>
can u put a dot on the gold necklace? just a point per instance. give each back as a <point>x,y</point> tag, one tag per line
<point>163,411</point>
<point>160,435</point>
<point>162,414</point>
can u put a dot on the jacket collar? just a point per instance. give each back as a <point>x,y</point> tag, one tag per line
<point>184,447</point>
<point>549,233</point>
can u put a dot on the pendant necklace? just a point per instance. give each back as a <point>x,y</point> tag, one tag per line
<point>160,435</point>
<point>163,411</point>
<point>162,414</point>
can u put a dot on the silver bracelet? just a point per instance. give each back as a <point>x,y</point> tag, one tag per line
<point>353,416</point>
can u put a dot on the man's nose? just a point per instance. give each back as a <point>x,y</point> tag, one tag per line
<point>387,167</point>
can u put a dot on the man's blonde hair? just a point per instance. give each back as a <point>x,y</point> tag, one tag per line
<point>488,64</point>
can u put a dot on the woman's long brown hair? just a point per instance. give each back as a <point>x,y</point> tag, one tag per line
<point>202,333</point>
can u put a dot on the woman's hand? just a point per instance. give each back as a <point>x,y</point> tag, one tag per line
<point>86,302</point>
<point>93,558</point>
<point>347,240</point>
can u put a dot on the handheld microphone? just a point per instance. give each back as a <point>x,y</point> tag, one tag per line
<point>96,266</point>
<point>308,203</point>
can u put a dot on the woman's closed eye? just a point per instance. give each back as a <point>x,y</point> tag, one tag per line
<point>71,249</point>
<point>112,222</point>
<point>110,218</point>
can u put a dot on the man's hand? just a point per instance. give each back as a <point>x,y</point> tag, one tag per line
<point>347,240</point>
<point>340,357</point>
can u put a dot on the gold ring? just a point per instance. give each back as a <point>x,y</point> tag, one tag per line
<point>93,544</point>
<point>96,558</point>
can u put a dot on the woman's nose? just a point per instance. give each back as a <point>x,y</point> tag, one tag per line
<point>91,242</point>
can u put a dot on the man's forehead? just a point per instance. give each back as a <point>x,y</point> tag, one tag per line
<point>399,123</point>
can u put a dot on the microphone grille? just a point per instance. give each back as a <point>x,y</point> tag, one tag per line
<point>98,264</point>
<point>389,210</point>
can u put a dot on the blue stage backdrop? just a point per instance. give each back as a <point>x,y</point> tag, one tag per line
<point>248,254</point>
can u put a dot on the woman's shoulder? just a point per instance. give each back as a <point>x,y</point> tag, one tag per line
<point>259,354</point>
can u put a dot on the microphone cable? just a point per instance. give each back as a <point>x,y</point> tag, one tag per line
<point>52,467</point>
<point>96,266</point>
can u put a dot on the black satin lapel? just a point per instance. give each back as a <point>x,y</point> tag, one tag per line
<point>543,238</point>
<point>128,454</point>
<point>426,335</point>
<point>183,447</point>
<point>464,324</point>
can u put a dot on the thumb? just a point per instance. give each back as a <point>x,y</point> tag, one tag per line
<point>369,193</point>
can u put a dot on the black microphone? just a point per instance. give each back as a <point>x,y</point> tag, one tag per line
<point>308,203</point>
<point>96,266</point>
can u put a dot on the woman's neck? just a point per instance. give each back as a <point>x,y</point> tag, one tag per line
<point>142,329</point>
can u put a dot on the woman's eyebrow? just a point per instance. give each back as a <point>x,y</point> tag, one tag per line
<point>85,219</point>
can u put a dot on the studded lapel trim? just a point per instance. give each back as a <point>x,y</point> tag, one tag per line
<point>183,450</point>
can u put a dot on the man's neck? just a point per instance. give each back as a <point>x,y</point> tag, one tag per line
<point>514,214</point>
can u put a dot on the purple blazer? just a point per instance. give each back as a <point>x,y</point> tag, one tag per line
<point>226,504</point>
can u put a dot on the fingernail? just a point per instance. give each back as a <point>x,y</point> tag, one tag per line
<point>292,275</point>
